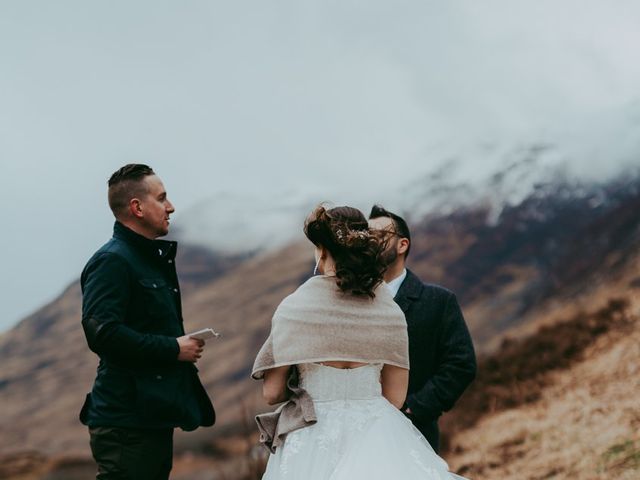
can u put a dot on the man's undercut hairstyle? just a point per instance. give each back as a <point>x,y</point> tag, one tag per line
<point>127,183</point>
<point>399,224</point>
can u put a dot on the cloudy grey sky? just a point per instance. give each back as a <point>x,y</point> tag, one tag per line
<point>264,97</point>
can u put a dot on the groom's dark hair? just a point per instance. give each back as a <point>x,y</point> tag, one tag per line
<point>127,183</point>
<point>399,223</point>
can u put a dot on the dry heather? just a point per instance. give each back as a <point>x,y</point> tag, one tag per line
<point>580,422</point>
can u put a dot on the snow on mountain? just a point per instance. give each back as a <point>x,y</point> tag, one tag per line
<point>244,224</point>
<point>575,161</point>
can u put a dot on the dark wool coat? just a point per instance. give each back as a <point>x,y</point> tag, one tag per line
<point>441,354</point>
<point>132,315</point>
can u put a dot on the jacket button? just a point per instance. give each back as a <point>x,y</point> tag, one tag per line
<point>159,377</point>
<point>155,285</point>
<point>175,290</point>
<point>170,261</point>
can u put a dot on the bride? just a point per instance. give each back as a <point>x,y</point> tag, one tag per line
<point>337,356</point>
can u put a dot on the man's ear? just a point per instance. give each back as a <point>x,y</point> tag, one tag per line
<point>135,208</point>
<point>403,246</point>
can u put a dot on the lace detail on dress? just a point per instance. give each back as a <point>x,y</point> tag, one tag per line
<point>339,422</point>
<point>432,473</point>
<point>294,443</point>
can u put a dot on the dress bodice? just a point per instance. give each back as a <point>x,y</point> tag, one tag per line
<point>358,435</point>
<point>326,383</point>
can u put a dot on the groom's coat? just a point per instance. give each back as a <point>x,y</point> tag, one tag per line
<point>441,354</point>
<point>131,315</point>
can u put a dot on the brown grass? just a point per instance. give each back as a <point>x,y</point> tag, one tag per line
<point>585,421</point>
<point>518,372</point>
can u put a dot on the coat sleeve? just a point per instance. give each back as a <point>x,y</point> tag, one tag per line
<point>106,294</point>
<point>455,371</point>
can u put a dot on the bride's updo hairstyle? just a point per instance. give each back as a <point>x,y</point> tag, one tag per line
<point>355,248</point>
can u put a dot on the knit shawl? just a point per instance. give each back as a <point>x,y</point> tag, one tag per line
<point>318,322</point>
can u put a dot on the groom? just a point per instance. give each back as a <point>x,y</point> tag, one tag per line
<point>146,382</point>
<point>441,355</point>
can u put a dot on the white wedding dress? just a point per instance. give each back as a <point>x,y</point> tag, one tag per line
<point>359,434</point>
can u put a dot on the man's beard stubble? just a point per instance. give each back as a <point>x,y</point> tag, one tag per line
<point>390,254</point>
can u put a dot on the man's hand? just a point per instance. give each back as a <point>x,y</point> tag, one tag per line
<point>190,349</point>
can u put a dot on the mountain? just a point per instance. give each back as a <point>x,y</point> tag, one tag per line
<point>560,242</point>
<point>504,176</point>
<point>565,247</point>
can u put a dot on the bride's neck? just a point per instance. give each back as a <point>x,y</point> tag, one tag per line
<point>328,267</point>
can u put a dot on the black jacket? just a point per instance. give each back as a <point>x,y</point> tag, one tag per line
<point>441,355</point>
<point>132,315</point>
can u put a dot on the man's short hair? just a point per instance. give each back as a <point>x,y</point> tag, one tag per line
<point>400,225</point>
<point>127,183</point>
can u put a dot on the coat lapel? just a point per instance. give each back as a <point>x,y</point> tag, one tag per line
<point>409,291</point>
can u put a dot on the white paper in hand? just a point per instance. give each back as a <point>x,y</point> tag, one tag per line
<point>205,334</point>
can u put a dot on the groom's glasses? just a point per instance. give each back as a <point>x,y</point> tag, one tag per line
<point>391,232</point>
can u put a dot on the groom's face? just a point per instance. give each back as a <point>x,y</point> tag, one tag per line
<point>385,224</point>
<point>156,207</point>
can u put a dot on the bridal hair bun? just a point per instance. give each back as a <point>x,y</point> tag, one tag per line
<point>355,248</point>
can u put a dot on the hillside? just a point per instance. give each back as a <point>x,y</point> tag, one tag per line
<point>561,404</point>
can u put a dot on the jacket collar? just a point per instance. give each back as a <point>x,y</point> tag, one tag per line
<point>409,291</point>
<point>159,249</point>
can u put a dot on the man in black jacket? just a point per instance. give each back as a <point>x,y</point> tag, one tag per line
<point>147,383</point>
<point>441,355</point>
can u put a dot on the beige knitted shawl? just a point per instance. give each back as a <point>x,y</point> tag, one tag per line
<point>318,322</point>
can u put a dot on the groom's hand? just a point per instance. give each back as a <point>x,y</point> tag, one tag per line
<point>190,349</point>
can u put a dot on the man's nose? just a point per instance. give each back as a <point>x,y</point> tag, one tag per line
<point>170,207</point>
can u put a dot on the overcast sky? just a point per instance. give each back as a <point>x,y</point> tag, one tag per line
<point>265,97</point>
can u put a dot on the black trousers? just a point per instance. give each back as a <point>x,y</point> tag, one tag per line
<point>132,453</point>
